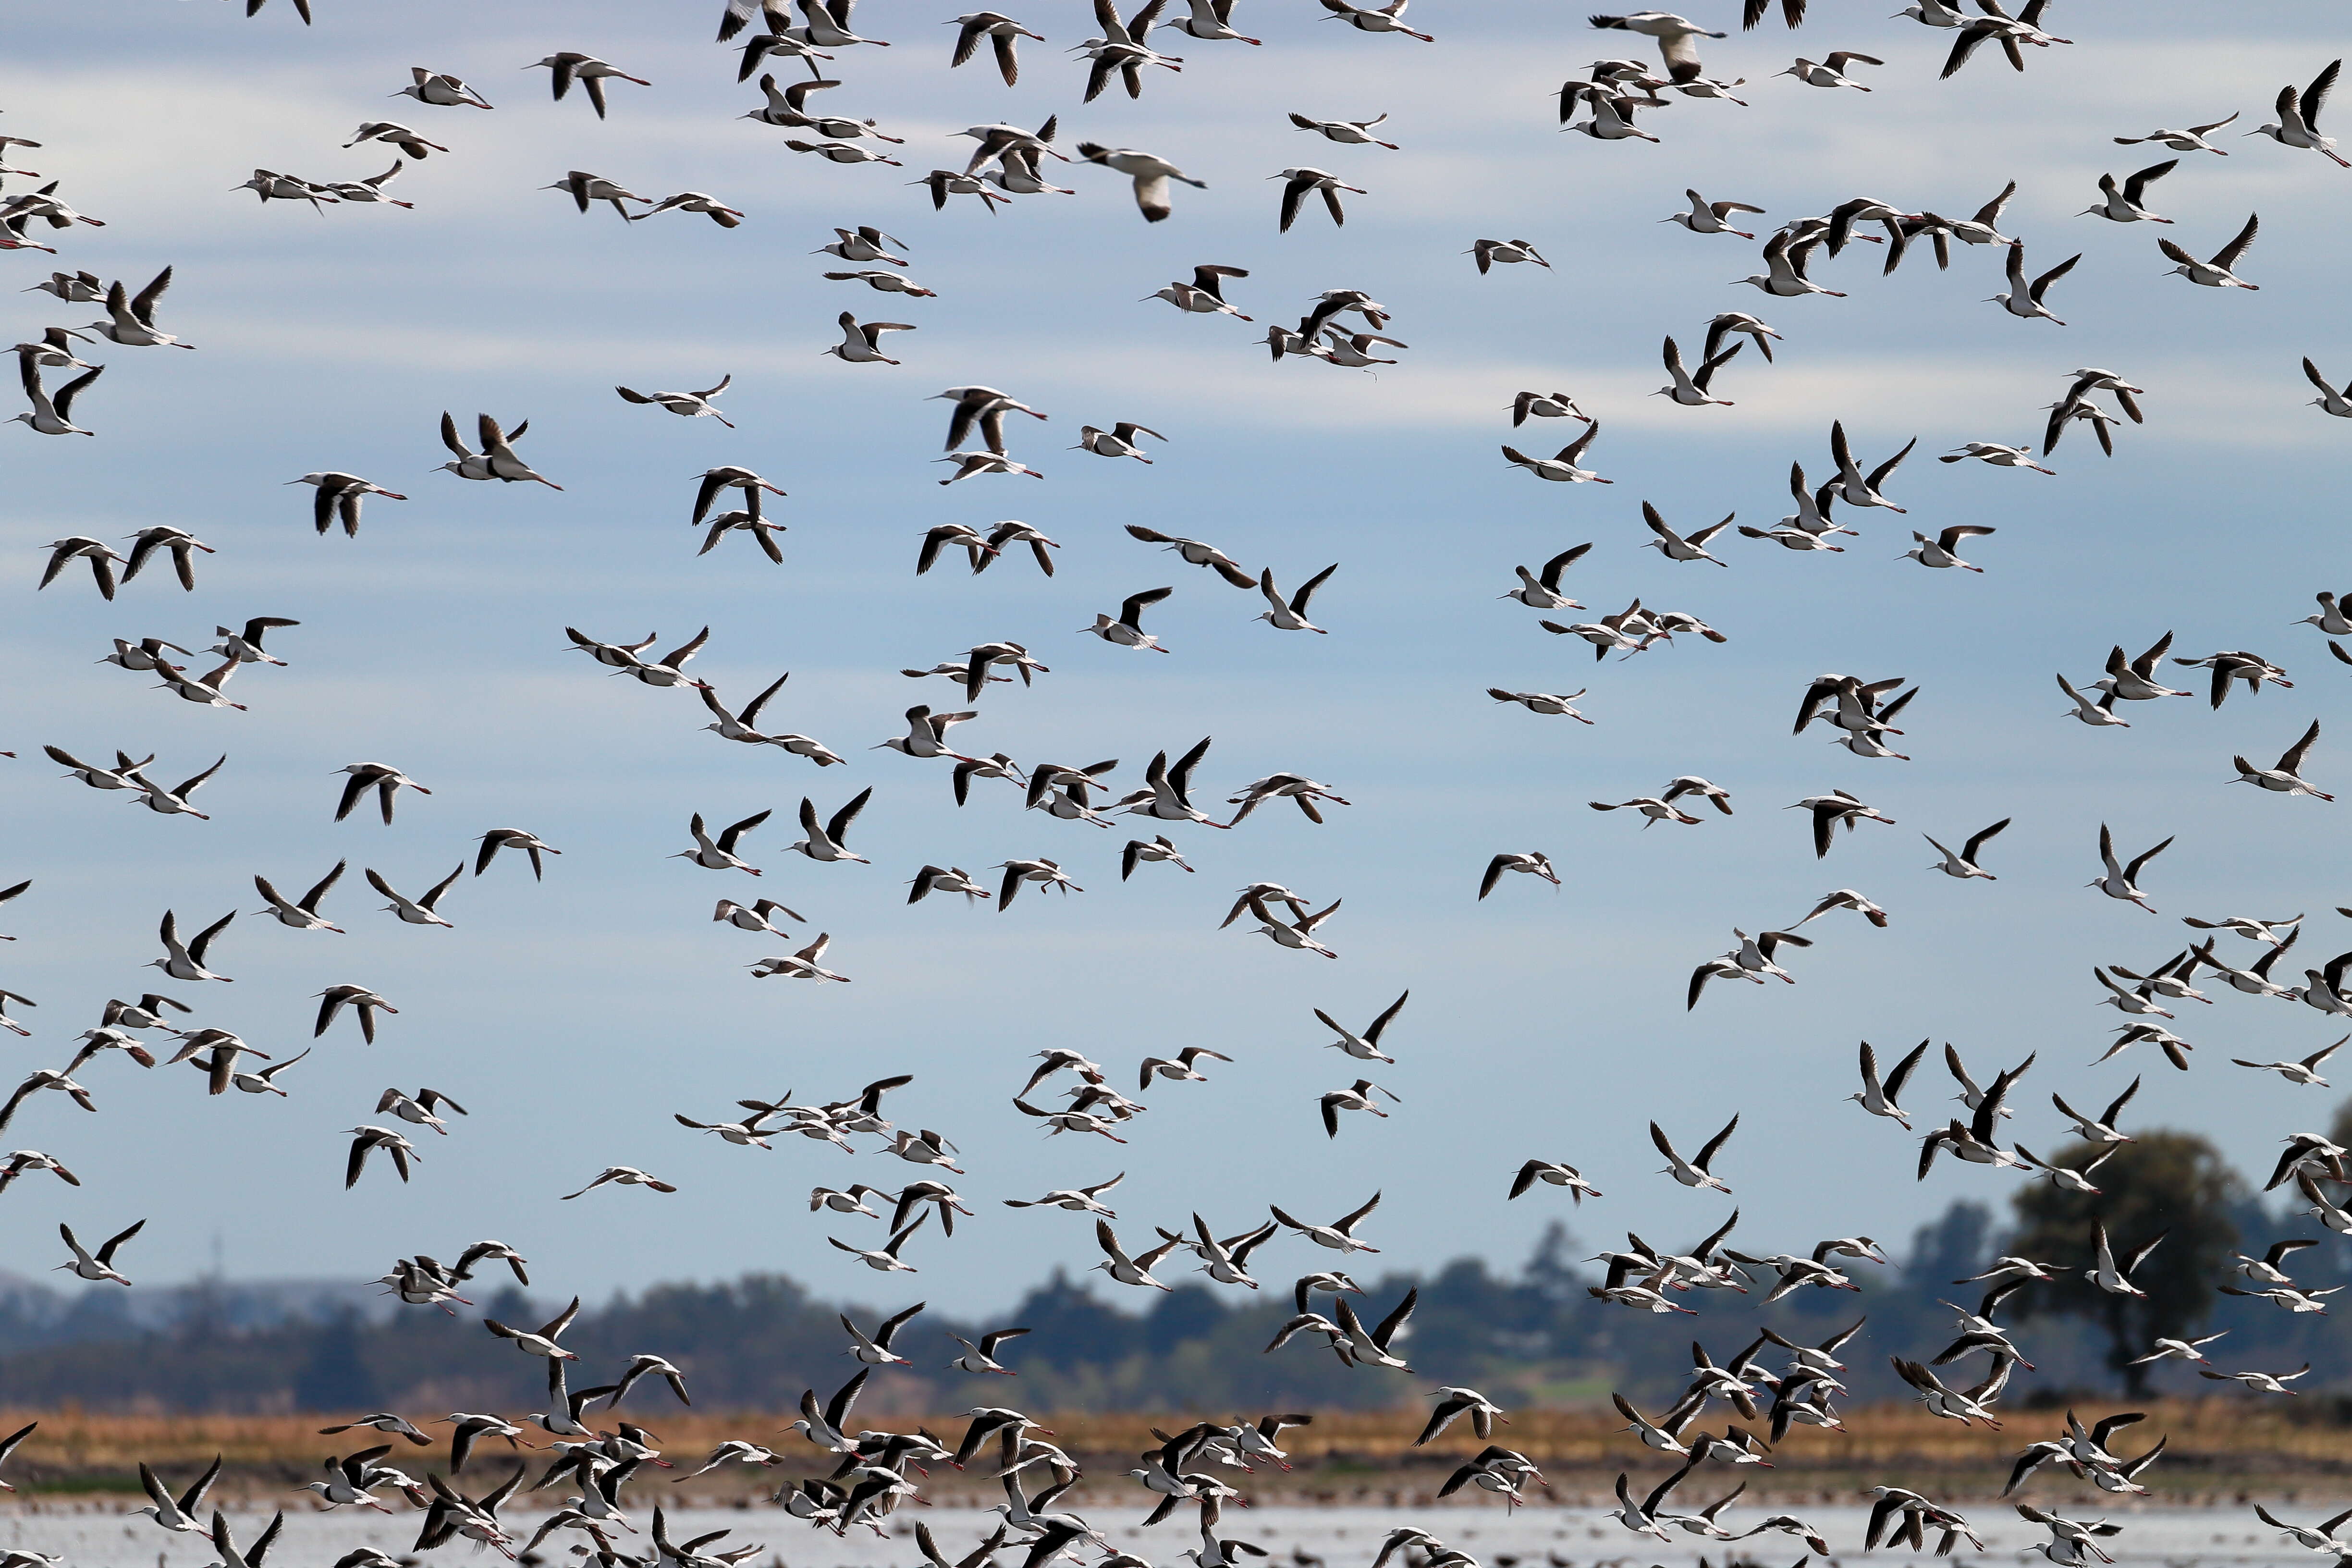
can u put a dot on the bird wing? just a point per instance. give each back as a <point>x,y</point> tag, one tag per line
<point>1878,475</point>
<point>1657,1133</point>
<point>2291,760</point>
<point>2316,95</point>
<point>2226,258</point>
<point>441,887</point>
<point>1347,1221</point>
<point>2131,872</point>
<point>839,826</point>
<point>1130,609</point>
<point>1673,356</point>
<point>2139,183</point>
<point>184,789</point>
<point>1977,840</point>
<point>1892,1086</point>
<point>142,305</point>
<point>1395,1320</point>
<point>2047,279</point>
<point>1706,1154</point>
<point>1298,600</point>
<point>1372,1035</point>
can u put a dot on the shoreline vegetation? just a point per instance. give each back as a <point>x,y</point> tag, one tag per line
<point>2224,1451</point>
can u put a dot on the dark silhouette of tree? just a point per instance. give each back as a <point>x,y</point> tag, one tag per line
<point>2338,1125</point>
<point>1950,1249</point>
<point>2175,1183</point>
<point>1069,1327</point>
<point>334,1376</point>
<point>1551,1270</point>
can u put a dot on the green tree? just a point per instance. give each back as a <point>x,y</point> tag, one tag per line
<point>2175,1183</point>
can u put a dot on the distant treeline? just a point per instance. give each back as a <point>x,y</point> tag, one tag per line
<point>1532,1338</point>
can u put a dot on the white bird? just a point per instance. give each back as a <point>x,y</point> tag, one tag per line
<point>2183,1349</point>
<point>414,912</point>
<point>2304,1072</point>
<point>981,1357</point>
<point>1545,406</point>
<point>805,964</point>
<point>1690,388</point>
<point>718,854</point>
<point>410,143</point>
<point>570,65</point>
<point>1964,864</point>
<point>1365,1046</point>
<point>823,840</point>
<point>1830,70</point>
<point>1115,442</point>
<point>622,1176</point>
<point>1128,630</point>
<point>1941,551</point>
<point>186,961</point>
<point>1299,933</point>
<point>1534,862</point>
<point>1388,18</point>
<point>1493,253</point>
<point>2217,273</point>
<point>131,318</point>
<point>861,343</point>
<point>439,88</point>
<point>1003,34</point>
<point>2331,401</point>
<point>2259,1382</point>
<point>1694,1173</point>
<point>1784,273</point>
<point>1680,547</point>
<point>1301,182</point>
<point>1710,217</point>
<point>100,1265</point>
<point>701,202</point>
<point>1553,1174</point>
<point>1291,615</point>
<point>1852,487</point>
<point>2285,778</point>
<point>2298,117</point>
<point>1134,1270</point>
<point>1149,171</point>
<point>2121,881</point>
<point>1339,1235</point>
<point>339,497</point>
<point>1562,467</point>
<point>2190,141</point>
<point>52,414</point>
<point>2024,299</point>
<point>1351,132</point>
<point>2125,205</point>
<point>1544,702</point>
<point>2115,1281</point>
<point>1998,454</point>
<point>686,405</point>
<point>2100,713</point>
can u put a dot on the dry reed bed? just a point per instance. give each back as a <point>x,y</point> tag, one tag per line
<point>2214,1442</point>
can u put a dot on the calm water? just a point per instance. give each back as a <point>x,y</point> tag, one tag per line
<point>94,1537</point>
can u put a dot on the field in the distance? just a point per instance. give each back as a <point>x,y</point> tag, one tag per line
<point>2220,1450</point>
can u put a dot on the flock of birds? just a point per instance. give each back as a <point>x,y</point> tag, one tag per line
<point>865,1473</point>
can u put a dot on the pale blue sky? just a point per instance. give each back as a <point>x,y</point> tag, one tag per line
<point>573,1017</point>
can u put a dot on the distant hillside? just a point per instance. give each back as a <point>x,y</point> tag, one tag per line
<point>1535,1338</point>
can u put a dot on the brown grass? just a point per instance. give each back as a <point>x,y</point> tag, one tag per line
<point>2217,1445</point>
